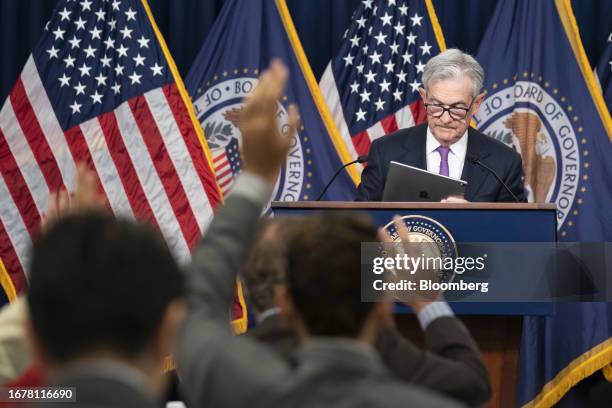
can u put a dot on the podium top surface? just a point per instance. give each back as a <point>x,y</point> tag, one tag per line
<point>372,205</point>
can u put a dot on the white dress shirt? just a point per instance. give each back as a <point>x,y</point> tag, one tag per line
<point>456,156</point>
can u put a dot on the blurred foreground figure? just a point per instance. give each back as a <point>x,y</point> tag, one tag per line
<point>451,362</point>
<point>105,303</point>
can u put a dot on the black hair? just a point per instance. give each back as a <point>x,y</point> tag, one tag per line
<point>100,284</point>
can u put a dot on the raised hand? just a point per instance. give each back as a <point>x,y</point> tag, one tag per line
<point>417,299</point>
<point>264,147</point>
<point>85,198</point>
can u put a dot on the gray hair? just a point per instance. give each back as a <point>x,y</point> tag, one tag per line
<point>454,63</point>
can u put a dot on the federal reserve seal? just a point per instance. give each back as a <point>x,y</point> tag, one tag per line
<point>218,108</point>
<point>532,117</point>
<point>436,239</point>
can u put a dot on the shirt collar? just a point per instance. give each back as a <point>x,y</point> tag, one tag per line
<point>459,148</point>
<point>273,311</point>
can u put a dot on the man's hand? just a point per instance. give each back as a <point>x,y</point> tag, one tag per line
<point>454,199</point>
<point>85,198</point>
<point>264,148</point>
<point>419,299</point>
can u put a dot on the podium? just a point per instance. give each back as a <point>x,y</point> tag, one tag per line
<point>497,327</point>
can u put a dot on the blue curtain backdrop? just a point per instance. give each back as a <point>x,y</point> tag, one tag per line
<point>320,23</point>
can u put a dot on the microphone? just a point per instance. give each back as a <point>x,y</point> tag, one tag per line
<point>360,159</point>
<point>475,160</point>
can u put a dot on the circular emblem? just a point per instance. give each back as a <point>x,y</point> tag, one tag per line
<point>218,110</point>
<point>436,240</point>
<point>528,117</point>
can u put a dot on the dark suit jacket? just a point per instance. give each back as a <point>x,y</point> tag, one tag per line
<point>101,391</point>
<point>408,146</point>
<point>451,363</point>
<point>274,333</point>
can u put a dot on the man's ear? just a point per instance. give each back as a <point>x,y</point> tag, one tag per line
<point>423,94</point>
<point>477,102</point>
<point>171,322</point>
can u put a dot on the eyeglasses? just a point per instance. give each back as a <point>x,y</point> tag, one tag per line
<point>455,112</point>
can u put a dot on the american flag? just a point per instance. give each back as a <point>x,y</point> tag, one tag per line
<point>226,161</point>
<point>100,87</point>
<point>603,73</point>
<point>372,84</point>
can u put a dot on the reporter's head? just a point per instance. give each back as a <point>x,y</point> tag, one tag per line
<point>324,278</point>
<point>264,271</point>
<point>103,287</point>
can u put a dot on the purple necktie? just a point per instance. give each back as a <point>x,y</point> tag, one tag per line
<point>443,159</point>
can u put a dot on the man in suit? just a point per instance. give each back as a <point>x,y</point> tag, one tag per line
<point>446,144</point>
<point>104,305</point>
<point>264,277</point>
<point>451,363</point>
<point>337,364</point>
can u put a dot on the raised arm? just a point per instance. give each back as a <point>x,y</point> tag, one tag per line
<point>451,362</point>
<point>211,360</point>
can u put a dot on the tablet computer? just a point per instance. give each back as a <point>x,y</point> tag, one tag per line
<point>407,183</point>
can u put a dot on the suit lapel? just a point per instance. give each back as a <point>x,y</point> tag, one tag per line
<point>414,148</point>
<point>472,173</point>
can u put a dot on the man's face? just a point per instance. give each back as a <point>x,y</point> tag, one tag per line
<point>452,92</point>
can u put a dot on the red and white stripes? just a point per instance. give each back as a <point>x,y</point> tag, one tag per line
<point>146,155</point>
<point>223,170</point>
<point>359,144</point>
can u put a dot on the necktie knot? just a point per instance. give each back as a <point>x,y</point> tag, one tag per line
<point>443,150</point>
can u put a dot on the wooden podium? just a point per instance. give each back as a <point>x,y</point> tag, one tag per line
<point>497,327</point>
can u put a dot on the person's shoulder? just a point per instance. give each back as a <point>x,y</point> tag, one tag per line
<point>392,392</point>
<point>401,136</point>
<point>493,146</point>
<point>273,333</point>
<point>106,391</point>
